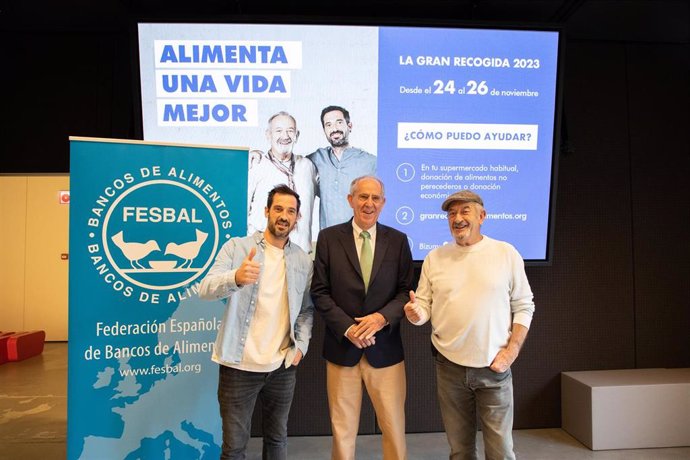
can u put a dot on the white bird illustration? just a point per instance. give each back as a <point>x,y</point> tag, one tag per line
<point>134,251</point>
<point>189,250</point>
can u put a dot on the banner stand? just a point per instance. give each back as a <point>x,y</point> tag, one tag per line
<point>146,221</point>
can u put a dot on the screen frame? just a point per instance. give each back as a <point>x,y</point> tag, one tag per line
<point>386,22</point>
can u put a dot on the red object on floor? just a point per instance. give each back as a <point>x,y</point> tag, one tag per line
<point>3,346</point>
<point>23,345</point>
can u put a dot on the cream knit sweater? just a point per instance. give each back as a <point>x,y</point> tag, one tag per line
<point>473,295</point>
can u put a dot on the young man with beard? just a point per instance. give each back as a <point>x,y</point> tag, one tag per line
<point>281,166</point>
<point>264,280</point>
<point>338,165</point>
<point>477,296</point>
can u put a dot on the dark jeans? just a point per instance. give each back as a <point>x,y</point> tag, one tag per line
<point>464,392</point>
<point>237,394</point>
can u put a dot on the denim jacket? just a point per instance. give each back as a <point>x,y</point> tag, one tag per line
<point>219,283</point>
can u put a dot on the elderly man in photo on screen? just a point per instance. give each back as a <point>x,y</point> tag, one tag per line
<point>337,165</point>
<point>281,166</point>
<point>476,293</point>
<point>266,328</point>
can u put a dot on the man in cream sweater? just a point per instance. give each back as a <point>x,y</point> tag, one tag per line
<point>476,294</point>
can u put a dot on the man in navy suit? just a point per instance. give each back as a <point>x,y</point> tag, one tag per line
<point>362,276</point>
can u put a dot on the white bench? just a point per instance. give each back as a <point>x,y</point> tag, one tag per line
<point>627,409</point>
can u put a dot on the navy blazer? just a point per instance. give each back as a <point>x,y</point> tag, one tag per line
<point>338,292</point>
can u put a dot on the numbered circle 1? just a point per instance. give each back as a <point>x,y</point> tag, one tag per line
<point>405,172</point>
<point>404,215</point>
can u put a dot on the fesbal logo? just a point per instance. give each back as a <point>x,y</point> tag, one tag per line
<point>153,232</point>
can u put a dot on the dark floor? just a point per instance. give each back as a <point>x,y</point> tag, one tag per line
<point>33,424</point>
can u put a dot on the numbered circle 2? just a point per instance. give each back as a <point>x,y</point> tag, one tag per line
<point>405,172</point>
<point>404,215</point>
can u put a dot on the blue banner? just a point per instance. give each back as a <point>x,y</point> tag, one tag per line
<point>146,222</point>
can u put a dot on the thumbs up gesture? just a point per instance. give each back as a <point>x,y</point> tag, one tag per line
<point>411,309</point>
<point>249,271</point>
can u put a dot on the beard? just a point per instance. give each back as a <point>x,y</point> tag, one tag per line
<point>342,141</point>
<point>461,232</point>
<point>273,229</point>
<point>282,150</point>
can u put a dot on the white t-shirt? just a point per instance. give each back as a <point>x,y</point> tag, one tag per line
<point>268,339</point>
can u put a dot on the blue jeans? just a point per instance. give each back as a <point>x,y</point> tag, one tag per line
<point>237,394</point>
<point>465,391</point>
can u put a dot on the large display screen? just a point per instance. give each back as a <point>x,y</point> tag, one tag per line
<point>429,110</point>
